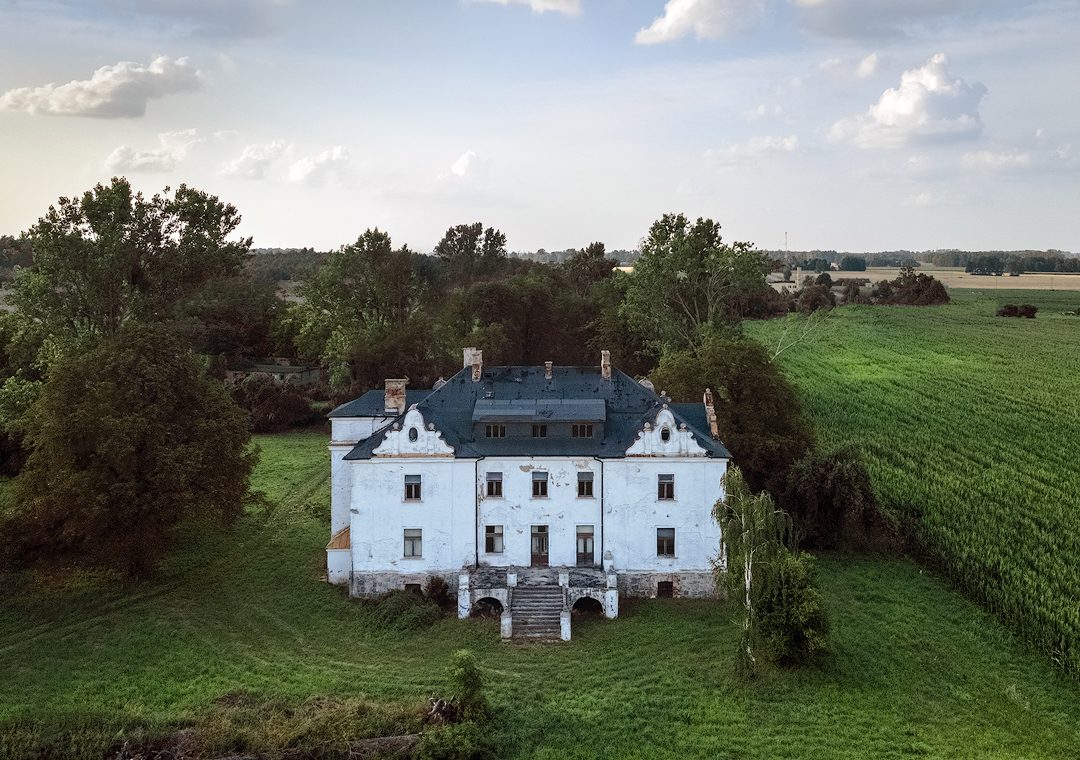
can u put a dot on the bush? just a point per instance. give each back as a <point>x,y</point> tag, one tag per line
<point>814,297</point>
<point>911,289</point>
<point>468,686</point>
<point>1027,311</point>
<point>273,406</point>
<point>462,741</point>
<point>438,590</point>
<point>833,506</point>
<point>792,625</point>
<point>404,611</point>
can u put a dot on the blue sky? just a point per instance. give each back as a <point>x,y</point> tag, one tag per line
<point>847,124</point>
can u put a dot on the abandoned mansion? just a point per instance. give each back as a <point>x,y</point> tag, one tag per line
<point>529,489</point>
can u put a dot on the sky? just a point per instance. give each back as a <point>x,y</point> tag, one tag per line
<point>858,125</point>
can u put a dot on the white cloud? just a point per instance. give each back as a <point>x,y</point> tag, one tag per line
<point>569,7</point>
<point>705,19</point>
<point>172,149</point>
<point>254,161</point>
<point>931,104</point>
<point>747,153</point>
<point>465,163</point>
<point>317,170</point>
<point>121,90</point>
<point>867,67</point>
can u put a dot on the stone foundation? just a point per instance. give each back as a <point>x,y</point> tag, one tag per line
<point>684,584</point>
<point>376,584</point>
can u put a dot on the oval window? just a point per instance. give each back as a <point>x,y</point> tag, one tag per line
<point>665,434</point>
<point>413,435</point>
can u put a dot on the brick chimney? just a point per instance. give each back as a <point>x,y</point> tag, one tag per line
<point>605,364</point>
<point>394,396</point>
<point>548,366</point>
<point>474,358</point>
<point>710,414</point>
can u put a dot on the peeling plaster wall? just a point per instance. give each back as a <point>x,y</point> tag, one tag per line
<point>517,510</point>
<point>632,513</point>
<point>380,514</point>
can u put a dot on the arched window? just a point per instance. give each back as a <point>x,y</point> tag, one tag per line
<point>413,434</point>
<point>665,434</point>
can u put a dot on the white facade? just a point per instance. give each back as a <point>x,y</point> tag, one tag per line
<point>416,507</point>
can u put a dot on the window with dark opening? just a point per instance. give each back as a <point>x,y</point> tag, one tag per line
<point>665,589</point>
<point>412,488</point>
<point>581,430</point>
<point>493,539</point>
<point>584,484</point>
<point>585,555</point>
<point>494,484</point>
<point>496,431</point>
<point>414,588</point>
<point>539,431</point>
<point>413,434</point>
<point>665,542</point>
<point>414,542</point>
<point>540,483</point>
<point>665,487</point>
<point>665,434</point>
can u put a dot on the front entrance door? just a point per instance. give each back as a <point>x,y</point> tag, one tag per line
<point>539,546</point>
<point>585,556</point>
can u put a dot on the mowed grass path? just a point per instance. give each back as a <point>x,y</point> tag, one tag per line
<point>970,423</point>
<point>917,670</point>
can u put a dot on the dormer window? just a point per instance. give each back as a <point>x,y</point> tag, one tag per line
<point>581,430</point>
<point>413,434</point>
<point>539,431</point>
<point>665,434</point>
<point>496,431</point>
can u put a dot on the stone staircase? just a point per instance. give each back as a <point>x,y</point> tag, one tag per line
<point>535,611</point>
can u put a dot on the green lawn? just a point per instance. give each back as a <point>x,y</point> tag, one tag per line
<point>970,425</point>
<point>917,670</point>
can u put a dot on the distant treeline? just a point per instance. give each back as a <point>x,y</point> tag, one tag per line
<point>274,264</point>
<point>820,261</point>
<point>1013,262</point>
<point>542,256</point>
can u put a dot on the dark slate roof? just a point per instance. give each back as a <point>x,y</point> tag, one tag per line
<point>627,404</point>
<point>372,404</point>
<point>539,410</point>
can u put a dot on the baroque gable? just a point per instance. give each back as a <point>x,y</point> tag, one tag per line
<point>412,437</point>
<point>664,437</point>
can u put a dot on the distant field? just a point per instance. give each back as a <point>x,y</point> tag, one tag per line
<point>917,670</point>
<point>956,277</point>
<point>970,423</point>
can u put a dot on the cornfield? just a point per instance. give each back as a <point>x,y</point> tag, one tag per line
<point>970,427</point>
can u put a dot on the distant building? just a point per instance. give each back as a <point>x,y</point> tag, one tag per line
<point>529,489</point>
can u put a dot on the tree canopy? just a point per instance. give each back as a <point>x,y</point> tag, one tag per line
<point>470,250</point>
<point>128,442</point>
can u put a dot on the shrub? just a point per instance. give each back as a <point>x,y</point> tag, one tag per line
<point>1027,311</point>
<point>438,591</point>
<point>404,611</point>
<point>462,741</point>
<point>824,279</point>
<point>832,504</point>
<point>911,288</point>
<point>468,685</point>
<point>792,625</point>
<point>272,406</point>
<point>814,297</point>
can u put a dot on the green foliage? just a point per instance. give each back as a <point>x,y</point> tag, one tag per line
<point>236,318</point>
<point>129,441</point>
<point>757,412</point>
<point>914,665</point>
<point>832,504</point>
<point>687,281</point>
<point>469,252</point>
<point>272,406</point>
<point>460,741</point>
<point>911,288</point>
<point>468,684</point>
<point>792,625</point>
<point>403,611</point>
<point>438,590</point>
<point>853,264</point>
<point>814,297</point>
<point>967,425</point>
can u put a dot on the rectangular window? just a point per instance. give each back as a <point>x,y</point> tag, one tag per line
<point>665,589</point>
<point>540,480</point>
<point>496,431</point>
<point>494,484</point>
<point>665,542</point>
<point>493,539</point>
<point>412,488</point>
<point>584,484</point>
<point>414,542</point>
<point>581,430</point>
<point>539,431</point>
<point>665,487</point>
<point>585,556</point>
